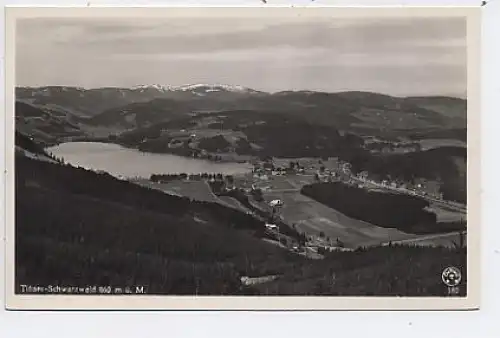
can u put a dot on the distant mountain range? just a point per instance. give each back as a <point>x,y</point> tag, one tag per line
<point>145,105</point>
<point>90,102</point>
<point>199,88</point>
<point>175,245</point>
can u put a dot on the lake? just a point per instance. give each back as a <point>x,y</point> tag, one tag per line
<point>118,160</point>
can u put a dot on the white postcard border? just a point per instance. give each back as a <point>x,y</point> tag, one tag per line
<point>105,302</point>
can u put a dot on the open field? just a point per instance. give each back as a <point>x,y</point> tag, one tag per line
<point>443,204</point>
<point>310,216</point>
<point>286,182</point>
<point>276,183</point>
<point>196,190</point>
<point>313,217</point>
<point>232,202</point>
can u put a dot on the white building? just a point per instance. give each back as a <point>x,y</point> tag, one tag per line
<point>276,203</point>
<point>271,226</point>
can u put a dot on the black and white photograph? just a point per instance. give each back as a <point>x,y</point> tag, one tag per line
<point>241,154</point>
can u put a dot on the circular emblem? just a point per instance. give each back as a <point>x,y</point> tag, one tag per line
<point>451,276</point>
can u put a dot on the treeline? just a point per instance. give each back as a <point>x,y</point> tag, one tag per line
<point>399,211</point>
<point>214,144</point>
<point>440,227</point>
<point>379,146</point>
<point>161,145</point>
<point>191,177</point>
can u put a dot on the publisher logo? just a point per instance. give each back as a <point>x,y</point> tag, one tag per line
<point>451,276</point>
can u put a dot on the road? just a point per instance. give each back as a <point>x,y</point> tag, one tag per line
<point>455,206</point>
<point>313,217</point>
<point>446,204</point>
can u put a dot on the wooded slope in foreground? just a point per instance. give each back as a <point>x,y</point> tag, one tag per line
<point>77,227</point>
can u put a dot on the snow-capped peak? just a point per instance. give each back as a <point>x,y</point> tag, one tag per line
<point>154,86</point>
<point>198,87</point>
<point>214,87</point>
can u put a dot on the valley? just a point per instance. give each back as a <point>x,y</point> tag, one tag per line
<point>184,180</point>
<point>106,229</point>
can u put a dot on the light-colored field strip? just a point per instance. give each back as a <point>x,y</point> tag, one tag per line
<point>447,240</point>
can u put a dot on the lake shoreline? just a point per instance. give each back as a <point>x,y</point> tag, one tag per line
<point>223,157</point>
<point>118,160</point>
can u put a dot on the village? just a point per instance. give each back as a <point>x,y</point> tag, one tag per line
<point>272,193</point>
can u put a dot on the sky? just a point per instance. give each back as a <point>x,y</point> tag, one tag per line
<point>395,56</point>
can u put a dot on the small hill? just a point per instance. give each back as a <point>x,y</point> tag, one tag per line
<point>141,114</point>
<point>448,106</point>
<point>257,133</point>
<point>85,102</point>
<point>45,125</point>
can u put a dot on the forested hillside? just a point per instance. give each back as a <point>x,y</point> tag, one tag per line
<point>78,227</point>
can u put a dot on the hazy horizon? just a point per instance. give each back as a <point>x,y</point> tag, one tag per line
<point>398,57</point>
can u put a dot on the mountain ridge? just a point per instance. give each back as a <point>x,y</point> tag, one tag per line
<point>104,111</point>
<point>229,87</point>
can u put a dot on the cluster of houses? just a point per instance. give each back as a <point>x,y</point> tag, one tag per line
<point>341,173</point>
<point>267,169</point>
<point>420,186</point>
